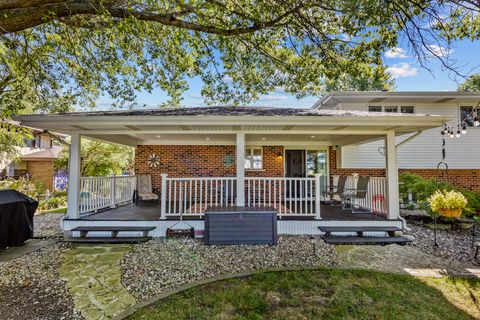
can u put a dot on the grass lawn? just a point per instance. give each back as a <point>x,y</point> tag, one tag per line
<point>323,294</point>
<point>58,210</point>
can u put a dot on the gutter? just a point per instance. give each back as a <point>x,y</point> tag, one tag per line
<point>409,138</point>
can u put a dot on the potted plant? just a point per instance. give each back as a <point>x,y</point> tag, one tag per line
<point>449,204</point>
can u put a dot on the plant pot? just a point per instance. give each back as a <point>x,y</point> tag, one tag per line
<point>450,213</point>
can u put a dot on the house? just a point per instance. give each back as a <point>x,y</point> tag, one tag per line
<point>35,158</point>
<point>234,156</point>
<point>418,152</point>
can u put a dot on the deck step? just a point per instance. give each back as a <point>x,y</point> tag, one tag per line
<point>107,239</point>
<point>367,240</point>
<point>359,230</point>
<point>107,228</point>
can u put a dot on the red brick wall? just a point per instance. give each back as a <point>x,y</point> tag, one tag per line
<point>43,171</point>
<point>201,161</point>
<point>463,178</point>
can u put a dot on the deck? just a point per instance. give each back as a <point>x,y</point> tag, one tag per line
<point>151,212</point>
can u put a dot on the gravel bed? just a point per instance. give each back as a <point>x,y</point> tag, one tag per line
<point>455,245</point>
<point>47,225</point>
<point>159,265</point>
<point>30,287</point>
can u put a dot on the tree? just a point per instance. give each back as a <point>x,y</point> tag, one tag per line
<point>472,84</point>
<point>100,159</point>
<point>55,54</point>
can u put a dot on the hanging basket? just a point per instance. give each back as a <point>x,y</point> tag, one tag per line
<point>450,213</point>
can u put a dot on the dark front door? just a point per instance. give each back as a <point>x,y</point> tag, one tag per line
<point>295,163</point>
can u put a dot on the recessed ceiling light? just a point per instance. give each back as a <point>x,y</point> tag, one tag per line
<point>264,139</point>
<point>312,136</point>
<point>158,136</point>
<point>207,139</point>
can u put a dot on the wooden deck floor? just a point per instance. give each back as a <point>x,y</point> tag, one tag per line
<point>150,211</point>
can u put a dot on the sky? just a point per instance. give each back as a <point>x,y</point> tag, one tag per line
<point>402,65</point>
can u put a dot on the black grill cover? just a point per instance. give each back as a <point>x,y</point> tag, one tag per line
<point>16,217</point>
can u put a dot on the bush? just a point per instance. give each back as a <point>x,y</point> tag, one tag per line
<point>56,200</point>
<point>30,187</point>
<point>422,189</point>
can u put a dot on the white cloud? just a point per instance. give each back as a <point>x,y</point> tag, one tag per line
<point>398,53</point>
<point>195,96</point>
<point>401,70</point>
<point>227,79</point>
<point>272,98</point>
<point>440,51</point>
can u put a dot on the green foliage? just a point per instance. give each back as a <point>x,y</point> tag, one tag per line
<point>422,189</point>
<point>472,84</point>
<point>54,201</point>
<point>100,159</point>
<point>30,187</point>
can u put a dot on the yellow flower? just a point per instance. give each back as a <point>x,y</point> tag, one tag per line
<point>449,200</point>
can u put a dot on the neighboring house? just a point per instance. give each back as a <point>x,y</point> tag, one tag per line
<point>422,153</point>
<point>35,159</point>
<point>206,157</point>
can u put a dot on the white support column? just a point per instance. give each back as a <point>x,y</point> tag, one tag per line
<point>74,162</point>
<point>392,176</point>
<point>163,197</point>
<point>318,187</point>
<point>240,169</point>
<point>113,192</point>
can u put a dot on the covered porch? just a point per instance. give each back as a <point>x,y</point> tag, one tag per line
<point>232,156</point>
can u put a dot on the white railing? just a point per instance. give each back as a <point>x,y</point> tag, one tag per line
<point>376,198</point>
<point>192,196</point>
<point>290,196</point>
<point>98,193</point>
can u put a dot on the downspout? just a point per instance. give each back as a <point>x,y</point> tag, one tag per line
<point>402,219</point>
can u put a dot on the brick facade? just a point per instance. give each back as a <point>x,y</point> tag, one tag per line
<point>463,178</point>
<point>202,161</point>
<point>41,170</point>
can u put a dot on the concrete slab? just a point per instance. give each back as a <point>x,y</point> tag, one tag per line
<point>30,246</point>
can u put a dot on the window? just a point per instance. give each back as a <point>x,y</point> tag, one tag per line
<point>406,109</point>
<point>254,158</point>
<point>467,116</point>
<point>391,109</point>
<point>394,109</point>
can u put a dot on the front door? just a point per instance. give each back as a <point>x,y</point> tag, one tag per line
<point>295,163</point>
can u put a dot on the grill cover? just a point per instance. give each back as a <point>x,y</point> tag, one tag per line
<point>16,217</point>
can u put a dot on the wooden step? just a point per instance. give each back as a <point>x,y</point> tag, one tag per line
<point>359,230</point>
<point>107,239</point>
<point>367,240</point>
<point>107,228</point>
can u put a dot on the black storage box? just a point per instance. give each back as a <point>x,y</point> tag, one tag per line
<point>16,217</point>
<point>240,225</point>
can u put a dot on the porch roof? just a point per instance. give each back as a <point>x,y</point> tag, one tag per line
<point>218,125</point>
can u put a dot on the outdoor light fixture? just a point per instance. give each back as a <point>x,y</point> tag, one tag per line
<point>207,139</point>
<point>476,122</point>
<point>451,132</point>
<point>312,136</point>
<point>464,129</point>
<point>158,136</point>
<point>264,139</point>
<point>458,132</point>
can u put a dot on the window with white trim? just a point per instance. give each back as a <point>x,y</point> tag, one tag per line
<point>254,158</point>
<point>467,115</point>
<point>390,108</point>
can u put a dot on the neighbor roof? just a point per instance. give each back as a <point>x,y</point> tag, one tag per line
<point>46,154</point>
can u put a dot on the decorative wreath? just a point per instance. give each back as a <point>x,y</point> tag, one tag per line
<point>153,160</point>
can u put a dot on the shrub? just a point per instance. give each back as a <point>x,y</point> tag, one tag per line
<point>450,200</point>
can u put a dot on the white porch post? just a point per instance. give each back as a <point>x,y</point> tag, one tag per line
<point>240,169</point>
<point>318,187</point>
<point>163,197</point>
<point>74,177</point>
<point>392,176</point>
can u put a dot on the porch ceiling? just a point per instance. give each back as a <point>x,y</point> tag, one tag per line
<point>261,125</point>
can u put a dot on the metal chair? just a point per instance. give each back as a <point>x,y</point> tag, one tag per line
<point>337,190</point>
<point>144,190</point>
<point>350,197</point>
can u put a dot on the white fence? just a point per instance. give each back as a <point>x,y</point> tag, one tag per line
<point>103,192</point>
<point>376,197</point>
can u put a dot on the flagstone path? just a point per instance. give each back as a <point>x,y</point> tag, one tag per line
<point>93,278</point>
<point>398,259</point>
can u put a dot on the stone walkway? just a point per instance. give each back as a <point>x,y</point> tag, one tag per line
<point>93,278</point>
<point>405,260</point>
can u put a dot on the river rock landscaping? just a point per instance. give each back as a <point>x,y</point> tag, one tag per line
<point>159,265</point>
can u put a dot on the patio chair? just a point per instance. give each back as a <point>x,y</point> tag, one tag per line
<point>144,190</point>
<point>350,197</point>
<point>337,190</point>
